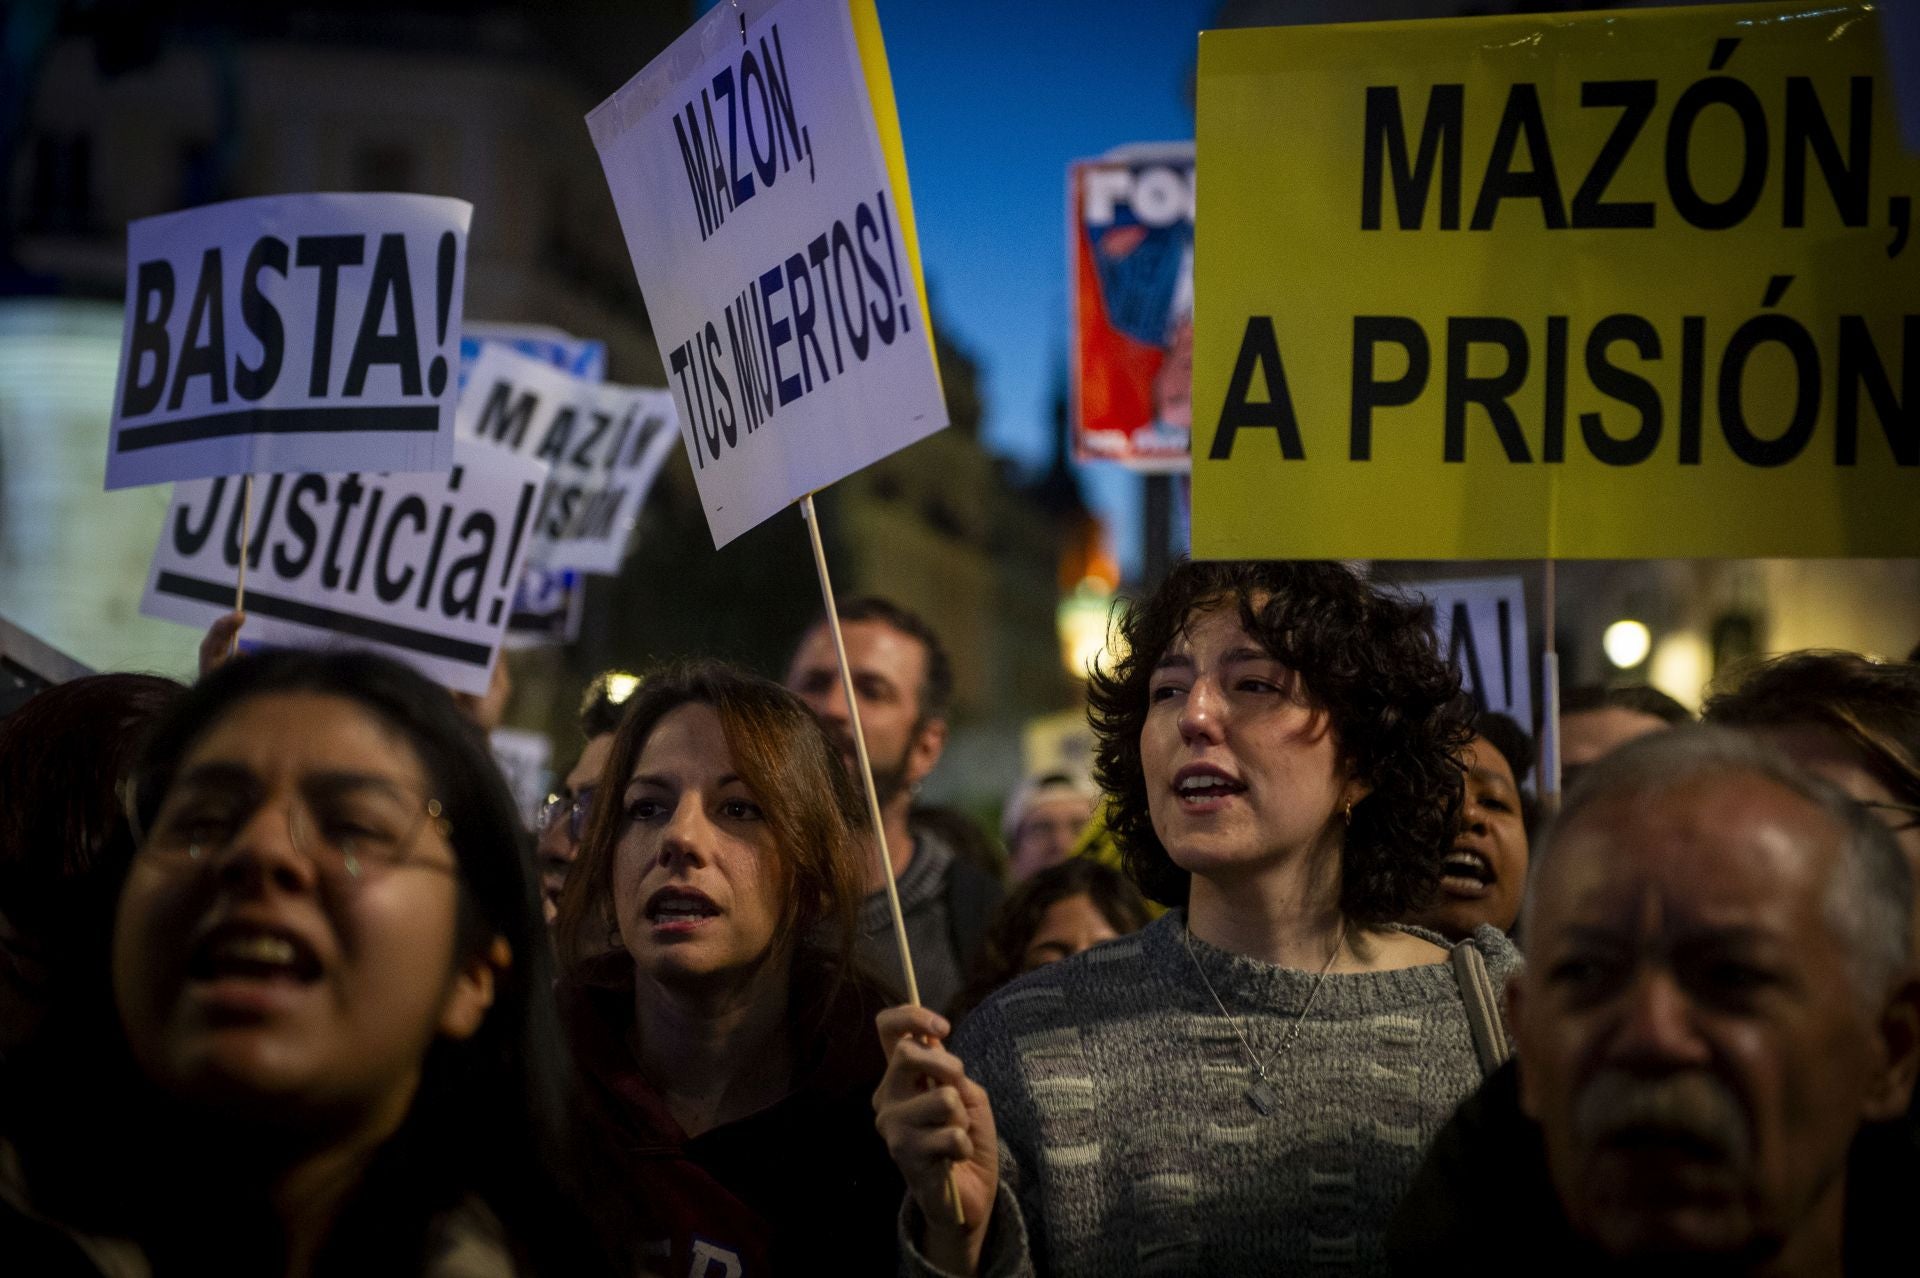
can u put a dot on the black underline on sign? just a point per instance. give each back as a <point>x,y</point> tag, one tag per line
<point>282,421</point>
<point>306,614</point>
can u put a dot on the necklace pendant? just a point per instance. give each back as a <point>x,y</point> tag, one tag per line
<point>1262,1097</point>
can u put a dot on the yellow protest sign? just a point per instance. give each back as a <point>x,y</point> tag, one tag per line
<point>1625,284</point>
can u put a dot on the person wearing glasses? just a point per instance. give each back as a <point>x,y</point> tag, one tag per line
<point>562,819</point>
<point>330,972</point>
<point>716,1011</point>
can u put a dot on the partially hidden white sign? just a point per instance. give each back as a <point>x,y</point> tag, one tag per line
<point>420,566</point>
<point>290,333</point>
<point>605,445</point>
<point>757,172</point>
<point>1482,626</point>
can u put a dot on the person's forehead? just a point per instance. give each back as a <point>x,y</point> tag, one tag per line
<point>1485,762</point>
<point>1731,849</point>
<point>1211,629</point>
<point>689,743</point>
<point>1614,725</point>
<point>593,759</point>
<point>1825,753</point>
<point>876,647</point>
<point>292,733</point>
<point>1062,805</point>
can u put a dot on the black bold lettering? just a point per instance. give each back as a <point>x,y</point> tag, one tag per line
<point>1591,210</point>
<point>865,229</point>
<point>1629,388</point>
<point>1521,120</point>
<point>1899,413</point>
<point>263,320</point>
<point>1807,130</point>
<point>209,358</point>
<point>779,332</point>
<point>187,539</point>
<point>1491,393</point>
<point>723,410</point>
<point>1259,352</point>
<point>1385,144</point>
<point>152,292</point>
<point>504,417</point>
<point>389,587</point>
<point>1370,393</point>
<point>327,254</point>
<point>400,348</point>
<point>300,524</point>
<point>1712,215</point>
<point>1790,334</point>
<point>466,576</point>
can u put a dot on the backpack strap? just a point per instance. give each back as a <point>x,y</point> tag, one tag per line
<point>1483,1006</point>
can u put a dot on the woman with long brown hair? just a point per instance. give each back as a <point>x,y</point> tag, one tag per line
<point>716,1013</point>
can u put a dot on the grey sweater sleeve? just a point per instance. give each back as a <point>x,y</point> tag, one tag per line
<point>985,1045</point>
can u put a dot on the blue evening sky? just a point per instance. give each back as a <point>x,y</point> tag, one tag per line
<point>996,98</point>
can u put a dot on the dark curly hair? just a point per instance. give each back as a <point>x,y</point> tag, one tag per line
<point>1365,656</point>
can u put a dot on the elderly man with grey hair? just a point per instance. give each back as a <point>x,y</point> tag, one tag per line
<point>1717,1032</point>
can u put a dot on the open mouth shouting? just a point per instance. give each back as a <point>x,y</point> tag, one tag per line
<point>1204,787</point>
<point>246,966</point>
<point>680,911</point>
<point>1467,873</point>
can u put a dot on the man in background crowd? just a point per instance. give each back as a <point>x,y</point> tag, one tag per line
<point>562,820</point>
<point>1596,720</point>
<point>904,683</point>
<point>1717,1030</point>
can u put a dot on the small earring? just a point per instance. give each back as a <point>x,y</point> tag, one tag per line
<point>1347,813</point>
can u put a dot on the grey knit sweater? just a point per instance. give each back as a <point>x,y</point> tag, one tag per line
<point>1128,1145</point>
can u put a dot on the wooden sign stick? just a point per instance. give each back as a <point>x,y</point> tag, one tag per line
<point>812,517</point>
<point>246,534</point>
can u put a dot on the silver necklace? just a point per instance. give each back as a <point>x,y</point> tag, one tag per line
<point>1260,1093</point>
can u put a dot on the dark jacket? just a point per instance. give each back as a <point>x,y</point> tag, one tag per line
<point>1482,1201</point>
<point>803,1186</point>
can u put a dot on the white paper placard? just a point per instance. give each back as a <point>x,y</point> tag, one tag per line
<point>1482,624</point>
<point>419,566</point>
<point>290,333</point>
<point>605,445</point>
<point>773,245</point>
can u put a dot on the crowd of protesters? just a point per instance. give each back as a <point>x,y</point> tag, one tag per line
<point>288,987</point>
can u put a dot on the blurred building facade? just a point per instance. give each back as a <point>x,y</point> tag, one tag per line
<point>125,110</point>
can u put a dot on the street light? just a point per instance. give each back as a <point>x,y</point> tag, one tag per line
<point>1626,643</point>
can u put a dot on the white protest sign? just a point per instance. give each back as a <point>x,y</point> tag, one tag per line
<point>605,445</point>
<point>758,175</point>
<point>1482,625</point>
<point>290,333</point>
<point>547,607</point>
<point>421,567</point>
<point>526,761</point>
<point>584,357</point>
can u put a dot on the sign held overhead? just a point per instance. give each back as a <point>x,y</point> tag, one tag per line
<point>290,333</point>
<point>420,566</point>
<point>1633,284</point>
<point>758,174</point>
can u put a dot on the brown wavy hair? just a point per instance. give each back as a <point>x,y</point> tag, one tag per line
<point>1365,656</point>
<point>794,771</point>
<point>1873,705</point>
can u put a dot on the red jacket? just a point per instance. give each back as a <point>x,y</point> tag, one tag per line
<point>802,1186</point>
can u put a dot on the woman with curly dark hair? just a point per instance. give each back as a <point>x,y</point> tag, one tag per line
<point>1247,1084</point>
